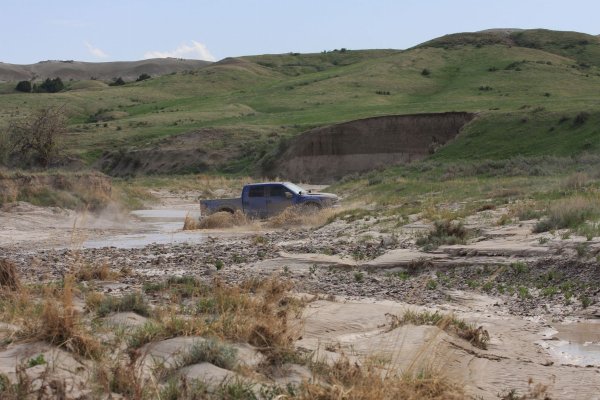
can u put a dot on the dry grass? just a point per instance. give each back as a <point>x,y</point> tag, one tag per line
<point>349,381</point>
<point>9,278</point>
<point>61,325</point>
<point>300,217</point>
<point>223,220</point>
<point>577,181</point>
<point>94,272</point>
<point>190,223</point>
<point>259,312</point>
<point>570,213</point>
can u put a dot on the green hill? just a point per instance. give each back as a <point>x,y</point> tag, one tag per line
<point>527,87</point>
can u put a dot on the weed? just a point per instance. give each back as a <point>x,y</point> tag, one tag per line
<point>153,287</point>
<point>503,220</point>
<point>443,232</point>
<point>519,267</point>
<point>359,276</point>
<point>524,292</point>
<point>569,213</point>
<point>59,324</point>
<point>92,272</point>
<point>219,265</point>
<point>431,284</point>
<point>9,278</point>
<point>210,350</point>
<point>130,302</point>
<point>586,301</point>
<point>582,249</point>
<point>39,360</point>
<point>549,291</point>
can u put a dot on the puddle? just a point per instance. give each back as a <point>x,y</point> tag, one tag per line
<point>162,226</point>
<point>576,343</point>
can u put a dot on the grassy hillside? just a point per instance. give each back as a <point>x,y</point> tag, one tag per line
<point>527,97</point>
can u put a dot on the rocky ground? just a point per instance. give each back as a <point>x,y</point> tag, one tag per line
<point>520,287</point>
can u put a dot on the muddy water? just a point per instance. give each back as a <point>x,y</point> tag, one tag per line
<point>576,343</point>
<point>161,226</point>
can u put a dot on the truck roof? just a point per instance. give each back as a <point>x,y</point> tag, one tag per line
<point>266,183</point>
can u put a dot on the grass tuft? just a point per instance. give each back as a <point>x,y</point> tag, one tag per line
<point>223,219</point>
<point>477,336</point>
<point>9,277</point>
<point>130,302</point>
<point>443,232</point>
<point>569,213</point>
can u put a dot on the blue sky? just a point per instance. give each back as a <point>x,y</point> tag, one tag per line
<point>90,30</point>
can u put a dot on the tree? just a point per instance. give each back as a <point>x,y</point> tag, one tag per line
<point>143,77</point>
<point>24,86</point>
<point>50,86</point>
<point>37,138</point>
<point>117,82</point>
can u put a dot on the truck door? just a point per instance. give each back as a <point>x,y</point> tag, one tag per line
<point>279,199</point>
<point>256,202</point>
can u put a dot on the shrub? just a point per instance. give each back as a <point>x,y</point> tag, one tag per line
<point>117,82</point>
<point>444,232</point>
<point>24,86</point>
<point>425,72</point>
<point>129,302</point>
<point>211,351</point>
<point>49,86</point>
<point>581,118</point>
<point>143,77</point>
<point>569,213</point>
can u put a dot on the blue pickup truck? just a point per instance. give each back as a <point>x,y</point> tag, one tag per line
<point>263,200</point>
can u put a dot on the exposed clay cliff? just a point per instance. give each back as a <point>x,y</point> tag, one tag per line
<point>325,154</point>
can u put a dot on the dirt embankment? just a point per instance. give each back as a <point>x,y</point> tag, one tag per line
<point>186,153</point>
<point>69,190</point>
<point>325,154</point>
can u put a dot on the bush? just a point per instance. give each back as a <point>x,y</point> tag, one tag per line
<point>444,232</point>
<point>569,213</point>
<point>581,118</point>
<point>143,77</point>
<point>49,86</point>
<point>425,72</point>
<point>24,86</point>
<point>117,82</point>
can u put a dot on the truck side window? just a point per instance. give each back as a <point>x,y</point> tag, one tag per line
<point>278,191</point>
<point>256,191</point>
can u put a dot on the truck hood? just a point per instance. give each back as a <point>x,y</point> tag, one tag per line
<point>321,195</point>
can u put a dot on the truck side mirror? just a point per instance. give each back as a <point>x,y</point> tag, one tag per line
<point>288,195</point>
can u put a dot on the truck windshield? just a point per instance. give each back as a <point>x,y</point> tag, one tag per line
<point>295,188</point>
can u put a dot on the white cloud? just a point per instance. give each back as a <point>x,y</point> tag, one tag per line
<point>96,52</point>
<point>196,50</point>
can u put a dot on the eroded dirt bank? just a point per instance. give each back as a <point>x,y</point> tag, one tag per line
<point>325,154</point>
